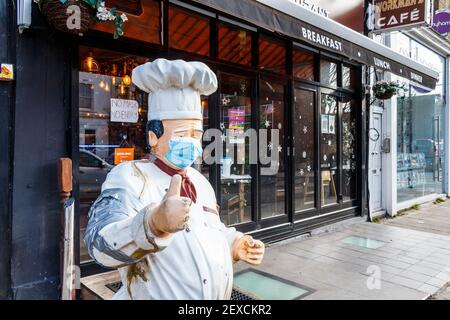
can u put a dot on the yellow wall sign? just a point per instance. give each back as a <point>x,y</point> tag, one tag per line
<point>123,154</point>
<point>7,72</point>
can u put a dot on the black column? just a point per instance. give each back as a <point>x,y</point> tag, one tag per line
<point>7,55</point>
<point>42,109</point>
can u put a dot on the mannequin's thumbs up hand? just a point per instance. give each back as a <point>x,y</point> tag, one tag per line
<point>172,213</point>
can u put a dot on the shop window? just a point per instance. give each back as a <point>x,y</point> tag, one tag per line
<point>304,133</point>
<point>235,120</point>
<point>144,20</point>
<point>272,55</point>
<point>328,73</point>
<point>189,31</point>
<point>303,64</point>
<point>104,76</point>
<point>234,45</point>
<point>420,144</point>
<point>349,77</point>
<point>272,175</point>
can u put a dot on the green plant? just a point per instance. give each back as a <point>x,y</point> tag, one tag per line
<point>404,212</point>
<point>102,14</point>
<point>438,201</point>
<point>377,219</point>
<point>385,89</point>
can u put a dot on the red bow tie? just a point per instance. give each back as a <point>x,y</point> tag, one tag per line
<point>187,187</point>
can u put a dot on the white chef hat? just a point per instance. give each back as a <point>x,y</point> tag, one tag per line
<point>175,88</point>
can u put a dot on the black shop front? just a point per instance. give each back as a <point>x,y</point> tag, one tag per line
<point>305,77</point>
<point>266,81</point>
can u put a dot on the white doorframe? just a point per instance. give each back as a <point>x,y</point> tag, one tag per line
<point>376,159</point>
<point>390,159</point>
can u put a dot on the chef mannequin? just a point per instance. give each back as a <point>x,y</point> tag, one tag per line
<point>157,220</point>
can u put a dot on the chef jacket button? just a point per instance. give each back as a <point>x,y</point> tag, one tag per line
<point>205,224</point>
<point>188,229</point>
<point>205,281</point>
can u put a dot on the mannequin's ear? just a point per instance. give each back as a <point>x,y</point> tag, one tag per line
<point>152,139</point>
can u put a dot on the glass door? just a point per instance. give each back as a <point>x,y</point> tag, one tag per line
<point>304,153</point>
<point>324,160</point>
<point>349,129</point>
<point>272,167</point>
<point>329,150</point>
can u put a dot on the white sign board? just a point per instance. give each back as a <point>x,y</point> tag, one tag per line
<point>124,110</point>
<point>310,5</point>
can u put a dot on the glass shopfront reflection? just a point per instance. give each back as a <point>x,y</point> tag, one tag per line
<point>420,126</point>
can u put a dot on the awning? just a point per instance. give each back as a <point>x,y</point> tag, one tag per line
<point>288,18</point>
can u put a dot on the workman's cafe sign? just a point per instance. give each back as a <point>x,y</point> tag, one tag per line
<point>383,15</point>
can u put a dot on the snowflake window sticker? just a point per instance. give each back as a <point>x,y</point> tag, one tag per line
<point>304,154</point>
<point>222,126</point>
<point>280,148</point>
<point>305,129</point>
<point>270,146</point>
<point>302,172</point>
<point>267,124</point>
<point>308,168</point>
<point>225,101</point>
<point>325,158</point>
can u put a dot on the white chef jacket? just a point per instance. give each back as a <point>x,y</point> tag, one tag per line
<point>192,264</point>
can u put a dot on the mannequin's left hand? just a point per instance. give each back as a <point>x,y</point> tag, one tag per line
<point>248,250</point>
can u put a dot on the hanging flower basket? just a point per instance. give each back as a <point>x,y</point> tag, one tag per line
<point>77,16</point>
<point>385,90</point>
<point>58,16</point>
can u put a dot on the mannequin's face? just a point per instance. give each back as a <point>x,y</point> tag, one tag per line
<point>192,128</point>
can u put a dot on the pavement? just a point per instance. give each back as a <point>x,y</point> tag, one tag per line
<point>397,259</point>
<point>433,218</point>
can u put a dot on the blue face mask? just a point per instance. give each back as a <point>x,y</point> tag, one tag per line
<point>183,152</point>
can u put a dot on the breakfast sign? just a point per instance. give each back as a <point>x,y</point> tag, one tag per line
<point>385,15</point>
